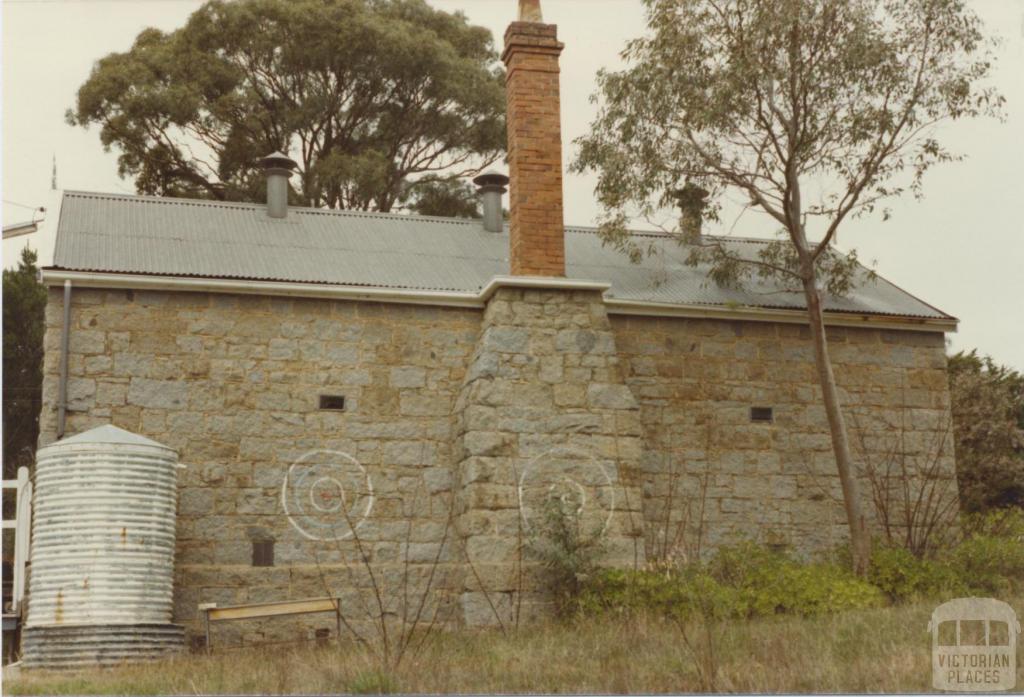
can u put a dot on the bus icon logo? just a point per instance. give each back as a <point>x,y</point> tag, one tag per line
<point>974,645</point>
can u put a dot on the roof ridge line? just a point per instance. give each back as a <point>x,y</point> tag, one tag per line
<point>249,205</point>
<point>349,213</point>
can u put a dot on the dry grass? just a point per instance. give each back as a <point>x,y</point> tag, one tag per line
<point>884,650</point>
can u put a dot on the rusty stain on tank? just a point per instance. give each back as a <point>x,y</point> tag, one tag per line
<point>58,613</point>
<point>124,535</point>
<point>85,583</point>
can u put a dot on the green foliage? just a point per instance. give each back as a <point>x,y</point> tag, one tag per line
<point>770,582</point>
<point>809,111</point>
<point>904,577</point>
<point>24,301</point>
<point>748,580</point>
<point>987,402</point>
<point>367,96</point>
<point>989,560</point>
<point>672,593</point>
<point>442,197</point>
<point>568,554</point>
<point>999,522</point>
<point>737,582</point>
<point>761,97</point>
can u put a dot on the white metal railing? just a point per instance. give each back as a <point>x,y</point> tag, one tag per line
<point>22,526</point>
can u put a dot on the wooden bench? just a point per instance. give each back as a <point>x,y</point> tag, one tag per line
<point>260,610</point>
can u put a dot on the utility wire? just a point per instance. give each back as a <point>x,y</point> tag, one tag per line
<point>21,205</point>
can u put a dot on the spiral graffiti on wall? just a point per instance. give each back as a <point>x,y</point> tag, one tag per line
<point>573,477</point>
<point>327,495</point>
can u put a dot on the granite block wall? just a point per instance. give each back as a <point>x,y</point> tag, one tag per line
<point>446,409</point>
<point>710,469</point>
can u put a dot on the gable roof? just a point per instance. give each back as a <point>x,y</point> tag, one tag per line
<point>148,235</point>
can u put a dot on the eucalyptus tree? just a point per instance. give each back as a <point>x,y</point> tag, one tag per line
<point>370,97</point>
<point>24,301</point>
<point>813,111</point>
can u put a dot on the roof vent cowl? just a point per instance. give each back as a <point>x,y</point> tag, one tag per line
<point>278,168</point>
<point>491,188</point>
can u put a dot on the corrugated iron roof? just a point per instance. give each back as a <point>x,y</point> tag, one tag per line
<point>184,237</point>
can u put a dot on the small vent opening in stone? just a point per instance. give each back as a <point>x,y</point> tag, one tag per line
<point>332,402</point>
<point>263,553</point>
<point>762,414</point>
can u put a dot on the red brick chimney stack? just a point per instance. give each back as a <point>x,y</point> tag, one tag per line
<point>534,144</point>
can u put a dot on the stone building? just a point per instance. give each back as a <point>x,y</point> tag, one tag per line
<point>412,389</point>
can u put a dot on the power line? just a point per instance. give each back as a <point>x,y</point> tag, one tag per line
<point>21,205</point>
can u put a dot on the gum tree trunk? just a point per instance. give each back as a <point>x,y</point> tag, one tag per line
<point>860,540</point>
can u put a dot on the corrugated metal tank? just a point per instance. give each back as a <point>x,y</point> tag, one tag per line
<point>103,534</point>
<point>102,538</point>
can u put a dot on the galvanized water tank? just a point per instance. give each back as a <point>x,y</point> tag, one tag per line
<point>101,585</point>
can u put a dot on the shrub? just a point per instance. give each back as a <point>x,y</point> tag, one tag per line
<point>748,580</point>
<point>1003,522</point>
<point>988,561</point>
<point>740,581</point>
<point>902,576</point>
<point>667,592</point>
<point>568,554</point>
<point>770,582</point>
<point>989,564</point>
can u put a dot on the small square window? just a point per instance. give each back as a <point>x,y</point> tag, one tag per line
<point>263,553</point>
<point>762,414</point>
<point>332,402</point>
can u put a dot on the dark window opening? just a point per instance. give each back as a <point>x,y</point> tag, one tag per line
<point>332,402</point>
<point>263,553</point>
<point>762,414</point>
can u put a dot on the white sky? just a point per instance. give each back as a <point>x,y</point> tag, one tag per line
<point>961,249</point>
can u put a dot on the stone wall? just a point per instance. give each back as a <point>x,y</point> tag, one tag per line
<point>233,384</point>
<point>454,418</point>
<point>709,468</point>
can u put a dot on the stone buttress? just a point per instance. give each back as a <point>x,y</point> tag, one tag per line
<point>544,415</point>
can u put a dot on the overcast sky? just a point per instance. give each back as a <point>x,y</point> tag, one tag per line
<point>960,249</point>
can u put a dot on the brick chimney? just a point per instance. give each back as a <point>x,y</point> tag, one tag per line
<point>537,238</point>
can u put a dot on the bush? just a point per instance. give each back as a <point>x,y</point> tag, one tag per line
<point>748,580</point>
<point>902,576</point>
<point>568,554</point>
<point>989,564</point>
<point>771,582</point>
<point>740,581</point>
<point>1003,522</point>
<point>988,561</point>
